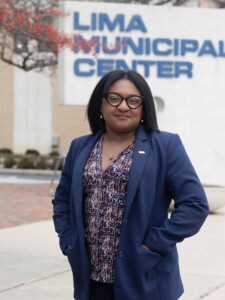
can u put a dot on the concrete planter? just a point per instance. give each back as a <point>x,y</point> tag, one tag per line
<point>215,196</point>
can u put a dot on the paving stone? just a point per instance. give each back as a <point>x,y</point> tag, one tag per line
<point>22,203</point>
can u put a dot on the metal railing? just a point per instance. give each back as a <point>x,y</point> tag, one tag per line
<point>59,161</point>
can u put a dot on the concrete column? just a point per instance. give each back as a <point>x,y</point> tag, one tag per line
<point>32,111</point>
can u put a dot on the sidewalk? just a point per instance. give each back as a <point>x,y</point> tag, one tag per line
<point>32,265</point>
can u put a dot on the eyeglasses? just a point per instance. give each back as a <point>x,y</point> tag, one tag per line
<point>115,100</point>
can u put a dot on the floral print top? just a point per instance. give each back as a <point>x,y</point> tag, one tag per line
<point>105,194</point>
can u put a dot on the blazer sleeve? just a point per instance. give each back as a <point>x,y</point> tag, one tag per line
<point>61,202</point>
<point>191,206</point>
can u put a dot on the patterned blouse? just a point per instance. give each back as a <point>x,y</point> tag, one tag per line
<point>105,194</point>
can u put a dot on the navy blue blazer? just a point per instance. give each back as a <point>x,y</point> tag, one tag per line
<point>160,171</point>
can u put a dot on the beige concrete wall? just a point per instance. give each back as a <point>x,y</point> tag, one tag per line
<point>209,3</point>
<point>6,106</point>
<point>68,121</point>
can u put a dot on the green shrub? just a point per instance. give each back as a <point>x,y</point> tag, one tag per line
<point>54,153</point>
<point>27,162</point>
<point>32,152</point>
<point>31,160</point>
<point>50,163</point>
<point>8,161</point>
<point>6,151</point>
<point>40,163</point>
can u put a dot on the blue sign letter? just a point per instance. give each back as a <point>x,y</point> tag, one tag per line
<point>136,23</point>
<point>188,46</point>
<point>207,48</point>
<point>77,68</point>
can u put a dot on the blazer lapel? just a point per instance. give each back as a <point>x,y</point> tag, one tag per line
<point>142,150</point>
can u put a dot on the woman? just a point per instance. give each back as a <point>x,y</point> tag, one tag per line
<point>111,205</point>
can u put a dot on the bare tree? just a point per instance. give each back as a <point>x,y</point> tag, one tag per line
<point>198,3</point>
<point>29,38</point>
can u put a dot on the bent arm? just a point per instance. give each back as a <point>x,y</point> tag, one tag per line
<point>61,203</point>
<point>191,207</point>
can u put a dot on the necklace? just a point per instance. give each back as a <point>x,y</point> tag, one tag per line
<point>111,156</point>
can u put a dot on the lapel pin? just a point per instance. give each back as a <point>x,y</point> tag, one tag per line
<point>141,152</point>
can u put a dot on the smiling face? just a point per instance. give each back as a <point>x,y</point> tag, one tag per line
<point>121,119</point>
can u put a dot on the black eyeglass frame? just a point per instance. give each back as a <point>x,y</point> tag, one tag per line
<point>122,99</point>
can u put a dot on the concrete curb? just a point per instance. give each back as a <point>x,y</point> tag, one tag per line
<point>29,172</point>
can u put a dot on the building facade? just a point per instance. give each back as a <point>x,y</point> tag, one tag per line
<point>30,114</point>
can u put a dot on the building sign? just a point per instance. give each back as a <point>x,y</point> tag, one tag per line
<point>180,52</point>
<point>141,48</point>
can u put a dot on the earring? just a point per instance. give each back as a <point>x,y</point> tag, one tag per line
<point>142,121</point>
<point>101,117</point>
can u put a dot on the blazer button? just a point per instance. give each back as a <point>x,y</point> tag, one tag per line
<point>120,253</point>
